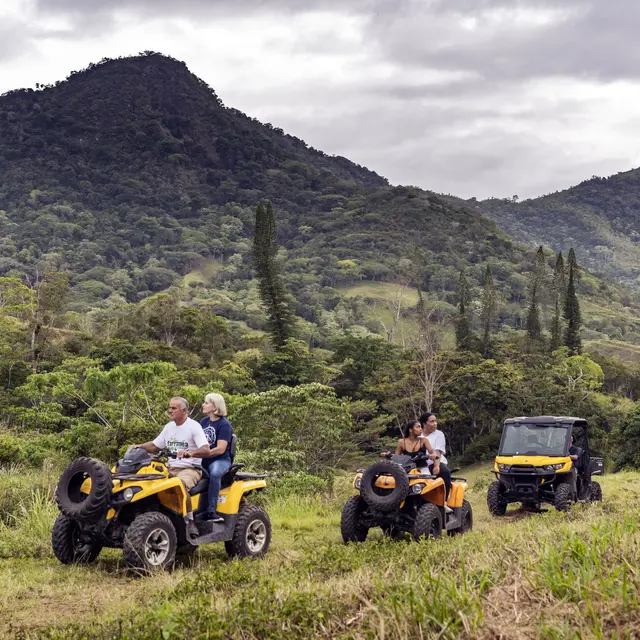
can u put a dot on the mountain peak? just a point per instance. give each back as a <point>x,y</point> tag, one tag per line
<point>148,120</point>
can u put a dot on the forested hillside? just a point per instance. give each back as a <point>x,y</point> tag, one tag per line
<point>132,174</point>
<point>128,201</point>
<point>600,217</point>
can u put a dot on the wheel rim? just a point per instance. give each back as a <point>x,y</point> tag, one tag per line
<point>256,536</point>
<point>156,547</point>
<point>434,528</point>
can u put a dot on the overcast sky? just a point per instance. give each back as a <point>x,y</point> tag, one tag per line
<point>470,97</point>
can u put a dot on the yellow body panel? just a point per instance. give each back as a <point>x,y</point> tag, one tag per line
<point>536,461</point>
<point>456,495</point>
<point>230,497</point>
<point>171,492</point>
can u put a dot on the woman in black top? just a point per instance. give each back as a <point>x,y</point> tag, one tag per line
<point>412,444</point>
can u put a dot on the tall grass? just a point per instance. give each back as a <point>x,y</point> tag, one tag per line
<point>548,575</point>
<point>28,529</point>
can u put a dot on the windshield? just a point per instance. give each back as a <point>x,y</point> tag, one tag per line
<point>533,440</point>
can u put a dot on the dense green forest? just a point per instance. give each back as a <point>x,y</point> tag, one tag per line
<point>128,198</point>
<point>599,217</point>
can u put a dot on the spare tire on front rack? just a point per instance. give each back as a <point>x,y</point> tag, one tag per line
<point>387,499</point>
<point>75,504</point>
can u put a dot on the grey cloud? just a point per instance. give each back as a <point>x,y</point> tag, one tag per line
<point>200,9</point>
<point>406,127</point>
<point>595,39</point>
<point>16,40</point>
<point>463,148</point>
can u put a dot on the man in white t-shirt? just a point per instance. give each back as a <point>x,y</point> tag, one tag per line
<point>180,435</point>
<point>437,440</point>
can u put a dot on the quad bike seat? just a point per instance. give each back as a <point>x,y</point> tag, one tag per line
<point>228,478</point>
<point>203,483</point>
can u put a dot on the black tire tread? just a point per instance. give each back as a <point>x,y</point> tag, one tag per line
<point>497,506</point>
<point>135,536</point>
<point>236,546</point>
<point>596,492</point>
<point>425,517</point>
<point>62,543</point>
<point>562,499</point>
<point>394,499</point>
<point>466,509</point>
<point>350,527</point>
<point>94,507</point>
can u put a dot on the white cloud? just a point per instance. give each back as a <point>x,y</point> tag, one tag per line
<point>476,98</point>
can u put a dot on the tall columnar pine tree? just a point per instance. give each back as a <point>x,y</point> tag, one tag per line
<point>536,287</point>
<point>572,263</point>
<point>572,338</point>
<point>463,327</point>
<point>273,291</point>
<point>489,309</point>
<point>533,325</point>
<point>559,293</point>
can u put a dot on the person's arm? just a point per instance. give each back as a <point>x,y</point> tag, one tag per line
<point>577,452</point>
<point>218,450</point>
<point>224,438</point>
<point>400,448</point>
<point>200,440</point>
<point>440,445</point>
<point>200,452</point>
<point>427,445</point>
<point>149,447</point>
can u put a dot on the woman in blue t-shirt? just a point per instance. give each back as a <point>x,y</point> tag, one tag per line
<point>219,432</point>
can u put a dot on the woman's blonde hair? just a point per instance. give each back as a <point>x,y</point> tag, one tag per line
<point>218,402</point>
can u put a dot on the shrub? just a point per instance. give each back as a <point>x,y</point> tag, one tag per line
<point>483,448</point>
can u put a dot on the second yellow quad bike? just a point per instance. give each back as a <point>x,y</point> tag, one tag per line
<point>534,466</point>
<point>136,506</point>
<point>397,496</point>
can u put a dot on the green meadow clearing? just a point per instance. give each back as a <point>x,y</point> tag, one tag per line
<point>549,575</point>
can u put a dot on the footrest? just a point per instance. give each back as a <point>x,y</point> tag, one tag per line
<point>214,531</point>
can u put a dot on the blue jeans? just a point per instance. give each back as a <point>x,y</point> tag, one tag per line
<point>216,468</point>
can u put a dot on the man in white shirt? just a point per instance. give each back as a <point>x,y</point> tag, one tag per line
<point>180,435</point>
<point>437,440</point>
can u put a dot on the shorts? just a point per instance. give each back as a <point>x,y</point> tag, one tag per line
<point>189,476</point>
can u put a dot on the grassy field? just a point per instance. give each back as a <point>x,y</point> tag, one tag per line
<point>381,291</point>
<point>549,575</point>
<point>380,297</point>
<point>208,269</point>
<point>626,351</point>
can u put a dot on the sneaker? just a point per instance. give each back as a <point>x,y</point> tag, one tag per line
<point>448,509</point>
<point>213,517</point>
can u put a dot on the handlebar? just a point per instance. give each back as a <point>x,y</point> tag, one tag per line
<point>163,453</point>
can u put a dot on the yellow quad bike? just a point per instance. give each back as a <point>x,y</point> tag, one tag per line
<point>533,465</point>
<point>136,506</point>
<point>396,496</point>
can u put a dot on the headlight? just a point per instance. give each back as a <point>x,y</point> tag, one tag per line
<point>417,488</point>
<point>504,467</point>
<point>129,492</point>
<point>553,467</point>
<point>358,483</point>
